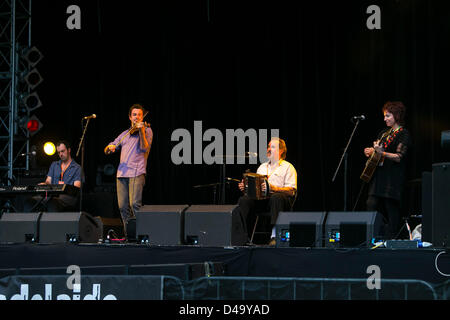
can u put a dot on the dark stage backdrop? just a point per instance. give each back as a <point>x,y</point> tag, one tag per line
<point>304,67</point>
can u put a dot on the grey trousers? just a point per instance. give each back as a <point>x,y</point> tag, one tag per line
<point>129,197</point>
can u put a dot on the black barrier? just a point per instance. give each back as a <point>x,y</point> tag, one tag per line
<point>98,287</point>
<point>58,287</point>
<point>270,288</point>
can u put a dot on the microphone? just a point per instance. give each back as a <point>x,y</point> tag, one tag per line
<point>252,154</point>
<point>31,153</point>
<point>361,117</point>
<point>92,116</point>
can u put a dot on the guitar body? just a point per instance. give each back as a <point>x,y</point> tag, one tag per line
<point>373,161</point>
<point>371,166</point>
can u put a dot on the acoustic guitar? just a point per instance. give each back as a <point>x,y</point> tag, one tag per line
<point>371,166</point>
<point>372,162</point>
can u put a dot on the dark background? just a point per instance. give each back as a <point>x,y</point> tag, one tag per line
<point>302,67</point>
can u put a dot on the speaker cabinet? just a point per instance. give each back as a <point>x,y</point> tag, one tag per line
<point>441,205</point>
<point>214,225</point>
<point>161,224</point>
<point>299,229</point>
<point>427,207</point>
<point>59,227</point>
<point>19,227</point>
<point>352,229</point>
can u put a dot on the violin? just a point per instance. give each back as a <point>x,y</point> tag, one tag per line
<point>135,129</point>
<point>132,130</point>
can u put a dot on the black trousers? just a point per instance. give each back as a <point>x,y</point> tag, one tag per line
<point>250,207</point>
<point>390,209</point>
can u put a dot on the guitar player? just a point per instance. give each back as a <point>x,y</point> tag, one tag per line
<point>387,183</point>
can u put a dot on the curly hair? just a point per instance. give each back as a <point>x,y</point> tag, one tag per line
<point>398,110</point>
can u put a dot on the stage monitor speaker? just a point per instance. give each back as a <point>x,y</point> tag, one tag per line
<point>214,225</point>
<point>161,224</point>
<point>426,207</point>
<point>299,229</point>
<point>19,227</point>
<point>60,227</point>
<point>441,205</point>
<point>352,229</point>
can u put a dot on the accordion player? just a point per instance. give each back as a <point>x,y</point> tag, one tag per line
<point>253,188</point>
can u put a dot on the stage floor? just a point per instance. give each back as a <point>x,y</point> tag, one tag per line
<point>427,264</point>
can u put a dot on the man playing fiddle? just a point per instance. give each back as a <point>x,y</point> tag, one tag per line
<point>134,145</point>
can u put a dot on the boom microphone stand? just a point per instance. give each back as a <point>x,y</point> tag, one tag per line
<point>81,146</point>
<point>224,180</point>
<point>344,156</point>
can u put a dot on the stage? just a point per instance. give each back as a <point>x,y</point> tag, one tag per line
<point>423,264</point>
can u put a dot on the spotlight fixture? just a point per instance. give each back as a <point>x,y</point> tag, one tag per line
<point>33,56</point>
<point>33,78</point>
<point>32,124</point>
<point>32,101</point>
<point>49,148</point>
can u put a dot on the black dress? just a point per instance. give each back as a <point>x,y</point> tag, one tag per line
<point>386,185</point>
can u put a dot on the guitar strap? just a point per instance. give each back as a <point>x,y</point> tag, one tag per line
<point>386,135</point>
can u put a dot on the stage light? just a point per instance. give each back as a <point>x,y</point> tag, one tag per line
<point>49,148</point>
<point>33,56</point>
<point>32,101</point>
<point>33,79</point>
<point>32,124</point>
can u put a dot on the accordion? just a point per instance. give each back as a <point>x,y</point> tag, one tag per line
<point>252,184</point>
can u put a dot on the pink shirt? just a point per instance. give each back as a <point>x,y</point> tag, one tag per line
<point>133,159</point>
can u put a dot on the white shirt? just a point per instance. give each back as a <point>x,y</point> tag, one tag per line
<point>282,175</point>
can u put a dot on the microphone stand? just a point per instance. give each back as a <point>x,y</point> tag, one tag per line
<point>344,156</point>
<point>81,146</point>
<point>215,185</point>
<point>223,176</point>
<point>224,180</point>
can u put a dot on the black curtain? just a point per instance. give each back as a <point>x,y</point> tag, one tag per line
<point>302,67</point>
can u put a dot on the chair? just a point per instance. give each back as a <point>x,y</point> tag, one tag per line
<point>267,214</point>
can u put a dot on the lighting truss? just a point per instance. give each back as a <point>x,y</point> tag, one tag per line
<point>15,36</point>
